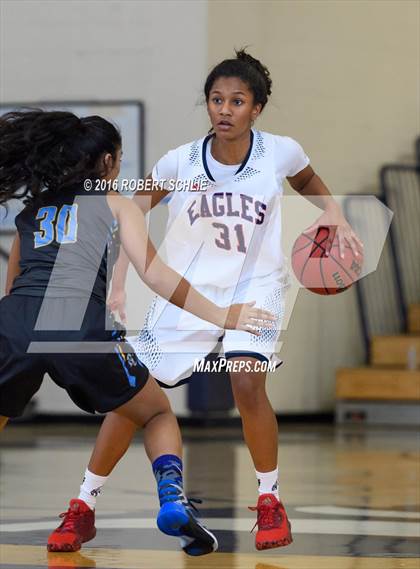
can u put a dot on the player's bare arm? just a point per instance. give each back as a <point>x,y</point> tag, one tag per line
<point>145,200</point>
<point>309,185</point>
<point>148,199</point>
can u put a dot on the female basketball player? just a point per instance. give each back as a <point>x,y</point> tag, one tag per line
<point>53,317</point>
<point>226,239</point>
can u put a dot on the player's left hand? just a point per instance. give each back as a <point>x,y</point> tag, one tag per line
<point>345,234</point>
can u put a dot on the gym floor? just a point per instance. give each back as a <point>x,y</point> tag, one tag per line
<point>352,494</point>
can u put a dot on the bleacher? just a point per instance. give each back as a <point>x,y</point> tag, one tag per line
<point>387,388</point>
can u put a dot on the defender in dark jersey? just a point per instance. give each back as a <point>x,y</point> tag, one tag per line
<point>54,318</point>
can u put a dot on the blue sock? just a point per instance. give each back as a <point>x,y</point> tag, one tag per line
<point>168,473</point>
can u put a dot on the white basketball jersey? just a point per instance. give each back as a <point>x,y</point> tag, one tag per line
<point>225,232</point>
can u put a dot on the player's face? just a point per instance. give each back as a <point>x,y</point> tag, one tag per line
<point>231,107</point>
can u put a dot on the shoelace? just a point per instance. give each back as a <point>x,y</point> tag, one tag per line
<point>266,516</point>
<point>189,504</point>
<point>69,518</point>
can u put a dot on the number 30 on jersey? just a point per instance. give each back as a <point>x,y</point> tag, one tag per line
<point>59,225</point>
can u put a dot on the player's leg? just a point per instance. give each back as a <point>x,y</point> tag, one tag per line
<point>258,418</point>
<point>3,422</point>
<point>117,431</point>
<point>119,427</point>
<point>169,344</point>
<point>260,431</point>
<point>116,434</point>
<point>114,438</point>
<point>112,442</point>
<point>259,423</point>
<point>162,440</point>
<point>163,444</point>
<point>150,409</point>
<point>170,366</point>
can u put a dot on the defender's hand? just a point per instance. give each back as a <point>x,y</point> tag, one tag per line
<point>246,317</point>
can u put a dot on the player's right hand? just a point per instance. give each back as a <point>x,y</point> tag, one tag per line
<point>247,317</point>
<point>116,303</point>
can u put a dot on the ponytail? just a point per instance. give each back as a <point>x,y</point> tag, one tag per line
<point>51,150</point>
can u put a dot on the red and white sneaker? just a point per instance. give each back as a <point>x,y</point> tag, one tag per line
<point>273,525</point>
<point>77,527</point>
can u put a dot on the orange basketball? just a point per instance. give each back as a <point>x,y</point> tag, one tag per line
<point>317,263</point>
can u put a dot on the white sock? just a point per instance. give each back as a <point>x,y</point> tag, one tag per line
<point>268,482</point>
<point>91,488</point>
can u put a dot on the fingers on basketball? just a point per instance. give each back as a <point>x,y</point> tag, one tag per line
<point>324,273</point>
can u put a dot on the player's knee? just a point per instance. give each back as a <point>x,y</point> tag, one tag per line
<point>248,390</point>
<point>157,407</point>
<point>157,413</point>
<point>146,405</point>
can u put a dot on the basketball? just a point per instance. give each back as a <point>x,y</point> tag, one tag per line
<point>317,263</point>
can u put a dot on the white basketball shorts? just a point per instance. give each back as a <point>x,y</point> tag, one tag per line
<point>173,340</point>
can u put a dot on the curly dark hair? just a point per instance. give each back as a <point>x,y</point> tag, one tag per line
<point>250,70</point>
<point>51,150</point>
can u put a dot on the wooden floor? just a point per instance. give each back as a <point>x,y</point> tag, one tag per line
<point>353,496</point>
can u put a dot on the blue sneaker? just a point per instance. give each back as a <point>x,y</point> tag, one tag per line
<point>180,519</point>
<point>171,517</point>
<point>172,514</point>
<point>177,515</point>
<point>196,538</point>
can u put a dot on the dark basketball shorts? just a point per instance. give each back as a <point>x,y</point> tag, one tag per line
<point>97,380</point>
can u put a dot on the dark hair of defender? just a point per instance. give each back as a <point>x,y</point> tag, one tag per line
<point>249,70</point>
<point>51,150</point>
